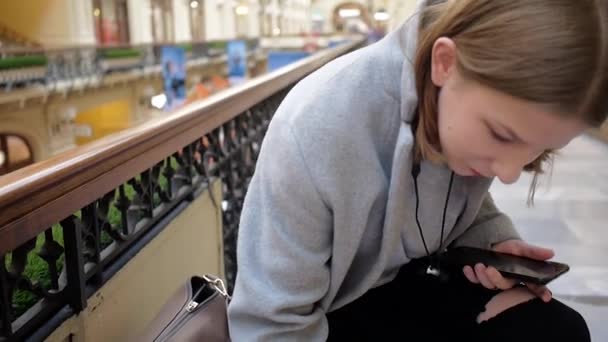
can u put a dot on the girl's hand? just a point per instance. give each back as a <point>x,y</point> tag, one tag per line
<point>490,278</point>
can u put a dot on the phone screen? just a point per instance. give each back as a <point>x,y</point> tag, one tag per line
<point>525,269</point>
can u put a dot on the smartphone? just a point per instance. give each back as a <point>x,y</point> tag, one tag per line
<point>510,266</point>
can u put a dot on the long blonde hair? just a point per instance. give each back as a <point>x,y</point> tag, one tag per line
<point>552,52</point>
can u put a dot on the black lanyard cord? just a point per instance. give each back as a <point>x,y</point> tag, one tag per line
<point>415,173</point>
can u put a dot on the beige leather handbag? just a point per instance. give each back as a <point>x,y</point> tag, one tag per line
<point>196,312</point>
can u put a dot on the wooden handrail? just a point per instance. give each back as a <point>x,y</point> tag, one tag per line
<point>38,196</point>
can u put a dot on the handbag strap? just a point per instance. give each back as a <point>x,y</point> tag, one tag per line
<point>217,284</point>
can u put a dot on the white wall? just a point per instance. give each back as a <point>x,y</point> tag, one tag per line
<point>305,17</point>
<point>81,22</point>
<point>253,19</point>
<point>326,8</point>
<point>273,8</point>
<point>52,23</point>
<point>290,21</point>
<point>70,22</point>
<point>219,20</point>
<point>140,21</point>
<point>181,22</point>
<point>227,25</point>
<point>211,20</point>
<point>399,11</point>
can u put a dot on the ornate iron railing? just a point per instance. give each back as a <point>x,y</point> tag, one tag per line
<point>69,223</point>
<point>87,65</point>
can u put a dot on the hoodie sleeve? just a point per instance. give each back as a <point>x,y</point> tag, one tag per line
<point>490,227</point>
<point>283,248</point>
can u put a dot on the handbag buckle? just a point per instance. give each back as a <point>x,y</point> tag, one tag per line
<point>217,284</point>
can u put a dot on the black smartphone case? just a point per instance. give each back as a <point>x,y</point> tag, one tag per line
<point>510,266</point>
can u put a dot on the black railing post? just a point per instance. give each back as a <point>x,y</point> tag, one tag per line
<point>189,159</point>
<point>5,302</point>
<point>146,180</point>
<point>95,230</point>
<point>74,263</point>
<point>123,205</point>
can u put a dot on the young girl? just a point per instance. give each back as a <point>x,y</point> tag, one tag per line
<point>384,157</point>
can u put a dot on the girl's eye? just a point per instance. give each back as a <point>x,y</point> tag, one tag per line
<point>499,137</point>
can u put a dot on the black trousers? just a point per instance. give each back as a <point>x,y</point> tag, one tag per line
<point>420,307</point>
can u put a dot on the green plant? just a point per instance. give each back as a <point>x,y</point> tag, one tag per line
<point>217,44</point>
<point>19,62</point>
<point>37,271</point>
<point>186,46</point>
<point>120,53</point>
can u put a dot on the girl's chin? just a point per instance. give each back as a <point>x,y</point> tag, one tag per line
<point>465,171</point>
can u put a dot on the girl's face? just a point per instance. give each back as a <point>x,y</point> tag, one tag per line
<point>487,133</point>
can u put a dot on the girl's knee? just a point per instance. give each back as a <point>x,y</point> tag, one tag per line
<point>545,321</point>
<point>504,301</point>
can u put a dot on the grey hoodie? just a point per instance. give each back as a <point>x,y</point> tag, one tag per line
<point>330,211</point>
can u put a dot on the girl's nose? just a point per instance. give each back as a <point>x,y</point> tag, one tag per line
<point>507,171</point>
<point>508,168</point>
<point>511,162</point>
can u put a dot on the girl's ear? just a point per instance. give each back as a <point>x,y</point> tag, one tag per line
<point>443,61</point>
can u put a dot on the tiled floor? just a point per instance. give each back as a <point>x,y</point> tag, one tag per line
<point>570,215</point>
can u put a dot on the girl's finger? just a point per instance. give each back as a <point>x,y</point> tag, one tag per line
<point>480,272</point>
<point>536,252</point>
<point>541,292</point>
<point>498,280</point>
<point>470,274</point>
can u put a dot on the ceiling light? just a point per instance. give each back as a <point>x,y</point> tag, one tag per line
<point>349,12</point>
<point>159,101</point>
<point>241,10</point>
<point>381,16</point>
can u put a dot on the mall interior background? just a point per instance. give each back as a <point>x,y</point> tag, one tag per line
<point>67,74</point>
